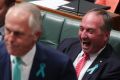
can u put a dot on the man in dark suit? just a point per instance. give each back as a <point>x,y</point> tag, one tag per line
<point>94,33</point>
<point>22,57</point>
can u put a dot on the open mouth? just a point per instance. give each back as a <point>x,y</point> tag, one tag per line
<point>85,44</point>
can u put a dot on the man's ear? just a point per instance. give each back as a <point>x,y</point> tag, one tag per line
<point>37,35</point>
<point>107,35</point>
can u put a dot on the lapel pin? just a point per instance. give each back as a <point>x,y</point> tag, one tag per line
<point>91,70</point>
<point>100,61</point>
<point>41,70</point>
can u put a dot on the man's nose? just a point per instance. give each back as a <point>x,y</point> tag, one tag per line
<point>11,37</point>
<point>83,34</point>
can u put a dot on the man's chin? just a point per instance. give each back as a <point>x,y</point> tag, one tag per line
<point>86,49</point>
<point>11,52</point>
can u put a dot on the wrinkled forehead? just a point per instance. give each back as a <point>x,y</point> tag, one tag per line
<point>17,19</point>
<point>93,17</point>
<point>15,15</point>
<point>15,12</point>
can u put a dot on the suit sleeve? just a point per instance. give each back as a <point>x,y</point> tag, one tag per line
<point>69,72</point>
<point>62,47</point>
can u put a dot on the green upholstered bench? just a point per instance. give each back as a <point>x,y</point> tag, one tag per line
<point>52,27</point>
<point>70,29</point>
<point>115,40</point>
<point>56,28</point>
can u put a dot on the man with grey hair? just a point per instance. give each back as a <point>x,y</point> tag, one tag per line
<point>22,57</point>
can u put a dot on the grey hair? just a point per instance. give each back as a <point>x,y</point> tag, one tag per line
<point>106,17</point>
<point>35,19</point>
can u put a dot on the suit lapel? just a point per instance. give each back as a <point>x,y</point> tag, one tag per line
<point>38,71</point>
<point>5,65</point>
<point>8,70</point>
<point>94,71</point>
<point>74,49</point>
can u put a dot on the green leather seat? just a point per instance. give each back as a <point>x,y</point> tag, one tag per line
<point>115,40</point>
<point>52,26</point>
<point>70,29</point>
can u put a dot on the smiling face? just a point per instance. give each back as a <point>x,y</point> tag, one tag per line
<point>92,37</point>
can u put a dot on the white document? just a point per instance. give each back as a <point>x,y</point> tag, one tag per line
<point>53,4</point>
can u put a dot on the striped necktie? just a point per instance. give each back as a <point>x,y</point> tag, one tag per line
<point>17,69</point>
<point>81,63</point>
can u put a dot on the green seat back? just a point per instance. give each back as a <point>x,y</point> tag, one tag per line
<point>70,29</point>
<point>115,40</point>
<point>52,26</point>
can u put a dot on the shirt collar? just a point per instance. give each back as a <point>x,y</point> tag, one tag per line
<point>93,55</point>
<point>96,54</point>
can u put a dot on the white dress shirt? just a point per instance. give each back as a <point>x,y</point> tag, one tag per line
<point>26,65</point>
<point>92,57</point>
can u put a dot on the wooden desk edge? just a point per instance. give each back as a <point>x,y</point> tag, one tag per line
<point>70,15</point>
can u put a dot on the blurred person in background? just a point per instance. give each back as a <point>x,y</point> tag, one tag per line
<point>4,6</point>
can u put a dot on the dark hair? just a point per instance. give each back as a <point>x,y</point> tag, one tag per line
<point>106,17</point>
<point>9,3</point>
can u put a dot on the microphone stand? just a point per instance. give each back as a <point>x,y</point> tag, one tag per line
<point>78,7</point>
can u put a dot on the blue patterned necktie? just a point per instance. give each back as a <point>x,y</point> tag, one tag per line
<point>17,69</point>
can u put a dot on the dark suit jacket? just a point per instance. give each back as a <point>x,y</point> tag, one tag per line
<point>105,67</point>
<point>57,66</point>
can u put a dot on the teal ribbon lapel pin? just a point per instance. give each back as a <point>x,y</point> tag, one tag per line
<point>41,70</point>
<point>91,70</point>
